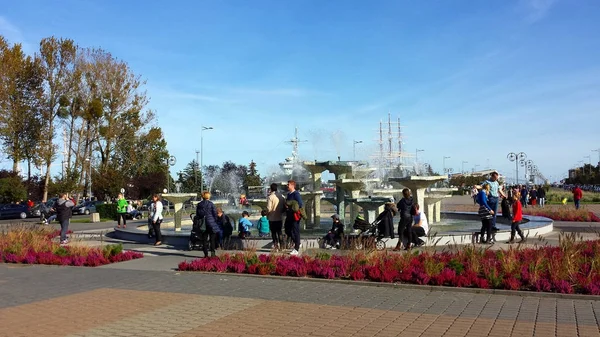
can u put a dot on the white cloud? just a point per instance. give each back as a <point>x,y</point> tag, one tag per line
<point>536,10</point>
<point>14,35</point>
<point>8,29</point>
<point>194,97</point>
<point>289,92</point>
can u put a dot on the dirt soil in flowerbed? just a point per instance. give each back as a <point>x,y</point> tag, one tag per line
<point>587,213</point>
<point>37,245</point>
<point>572,267</point>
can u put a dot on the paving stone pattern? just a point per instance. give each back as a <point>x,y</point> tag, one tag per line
<point>70,301</point>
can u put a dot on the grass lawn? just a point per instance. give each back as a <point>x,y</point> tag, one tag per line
<point>556,195</point>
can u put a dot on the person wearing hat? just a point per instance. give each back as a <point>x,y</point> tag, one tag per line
<point>495,193</point>
<point>334,235</point>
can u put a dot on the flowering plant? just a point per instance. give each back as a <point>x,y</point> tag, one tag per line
<point>35,245</point>
<point>572,267</point>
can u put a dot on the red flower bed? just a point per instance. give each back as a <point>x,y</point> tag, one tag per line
<point>36,246</point>
<point>574,267</point>
<point>563,214</point>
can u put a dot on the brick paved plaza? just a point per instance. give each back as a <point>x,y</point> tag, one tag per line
<point>71,301</point>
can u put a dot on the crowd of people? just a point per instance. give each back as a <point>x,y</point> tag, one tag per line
<point>583,187</point>
<point>282,215</point>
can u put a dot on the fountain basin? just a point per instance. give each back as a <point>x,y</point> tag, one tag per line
<point>458,230</point>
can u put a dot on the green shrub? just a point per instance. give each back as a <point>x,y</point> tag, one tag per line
<point>61,251</point>
<point>112,250</point>
<point>107,211</point>
<point>323,256</point>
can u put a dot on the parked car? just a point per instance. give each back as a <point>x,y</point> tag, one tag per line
<point>87,207</point>
<point>166,205</point>
<point>20,211</point>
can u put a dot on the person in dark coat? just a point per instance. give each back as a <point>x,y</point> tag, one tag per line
<point>386,220</point>
<point>405,208</point>
<point>335,234</point>
<point>207,210</point>
<point>225,226</point>
<point>64,211</point>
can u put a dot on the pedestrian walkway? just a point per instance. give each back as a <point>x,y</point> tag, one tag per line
<point>71,301</point>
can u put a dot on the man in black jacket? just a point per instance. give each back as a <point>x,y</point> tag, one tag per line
<point>405,208</point>
<point>541,194</point>
<point>64,210</point>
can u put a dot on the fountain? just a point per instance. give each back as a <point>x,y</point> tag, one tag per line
<point>433,202</point>
<point>178,199</point>
<point>371,206</point>
<point>418,185</point>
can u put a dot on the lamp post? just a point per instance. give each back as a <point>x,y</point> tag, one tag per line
<point>417,154</point>
<point>590,159</point>
<point>354,148</point>
<point>475,167</point>
<point>462,170</point>
<point>171,161</point>
<point>444,161</point>
<point>196,170</point>
<point>597,150</point>
<point>201,150</point>
<point>517,157</point>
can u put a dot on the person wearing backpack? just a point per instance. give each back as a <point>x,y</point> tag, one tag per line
<point>64,210</point>
<point>207,211</point>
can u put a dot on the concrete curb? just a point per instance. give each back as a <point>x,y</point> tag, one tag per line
<point>519,293</point>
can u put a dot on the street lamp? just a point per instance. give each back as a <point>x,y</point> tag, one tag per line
<point>354,148</point>
<point>597,150</point>
<point>475,167</point>
<point>590,159</point>
<point>463,166</point>
<point>196,169</point>
<point>417,154</point>
<point>445,162</point>
<point>517,157</point>
<point>201,150</point>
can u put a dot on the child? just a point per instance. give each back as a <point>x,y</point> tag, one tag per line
<point>420,227</point>
<point>263,224</point>
<point>335,233</point>
<point>226,228</point>
<point>517,219</point>
<point>244,225</point>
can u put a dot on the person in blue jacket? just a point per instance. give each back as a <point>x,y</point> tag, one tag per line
<point>485,213</point>
<point>244,225</point>
<point>207,210</point>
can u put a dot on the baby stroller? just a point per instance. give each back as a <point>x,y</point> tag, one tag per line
<point>195,241</point>
<point>506,209</point>
<point>368,234</point>
<point>45,212</point>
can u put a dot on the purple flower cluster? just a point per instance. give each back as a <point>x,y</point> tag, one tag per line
<point>566,269</point>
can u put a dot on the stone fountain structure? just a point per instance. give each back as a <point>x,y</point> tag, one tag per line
<point>178,199</point>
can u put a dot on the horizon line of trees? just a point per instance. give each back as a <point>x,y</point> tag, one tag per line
<point>585,175</point>
<point>87,105</point>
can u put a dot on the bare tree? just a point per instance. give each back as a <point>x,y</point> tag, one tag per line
<point>58,63</point>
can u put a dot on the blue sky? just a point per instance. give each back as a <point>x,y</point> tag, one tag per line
<point>473,80</point>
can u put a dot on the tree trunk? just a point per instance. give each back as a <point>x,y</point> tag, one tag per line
<point>28,169</point>
<point>46,182</point>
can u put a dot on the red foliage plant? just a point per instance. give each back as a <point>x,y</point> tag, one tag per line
<point>569,268</point>
<point>33,245</point>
